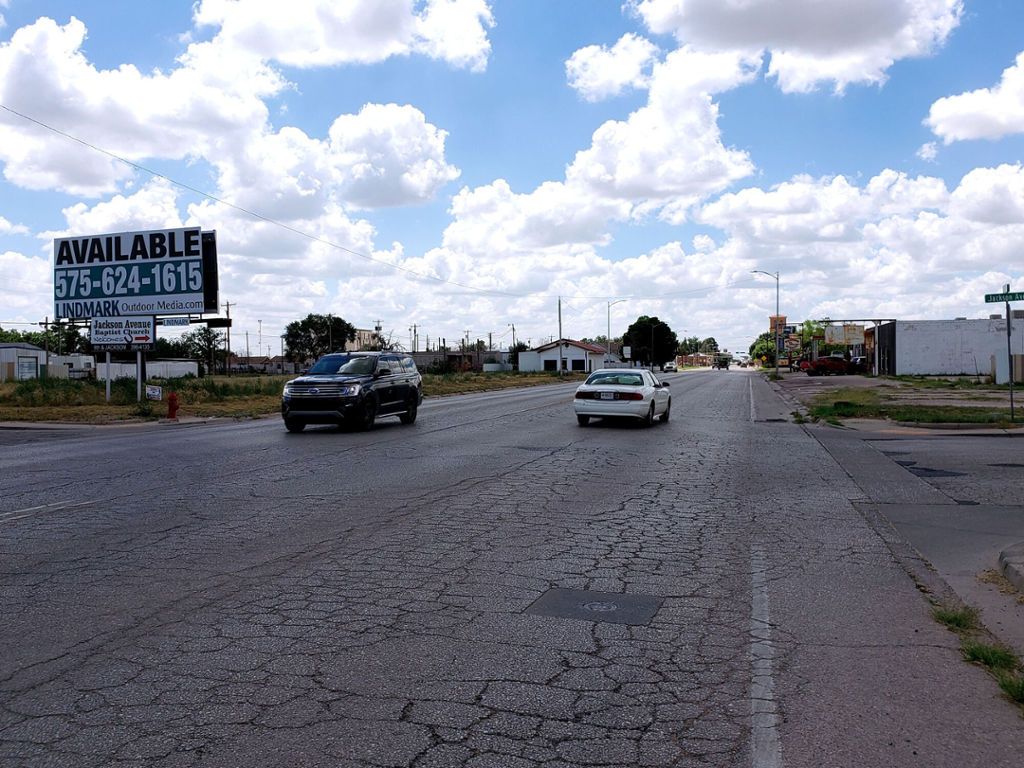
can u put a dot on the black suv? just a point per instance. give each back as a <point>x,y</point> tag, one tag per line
<point>354,388</point>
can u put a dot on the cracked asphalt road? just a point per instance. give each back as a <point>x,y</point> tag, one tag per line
<point>233,595</point>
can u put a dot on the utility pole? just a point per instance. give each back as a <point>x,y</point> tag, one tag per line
<point>379,328</point>
<point>330,333</point>
<point>490,340</point>
<point>247,348</point>
<point>227,359</point>
<point>560,363</point>
<point>259,340</point>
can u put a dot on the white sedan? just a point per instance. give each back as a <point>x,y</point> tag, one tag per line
<point>631,392</point>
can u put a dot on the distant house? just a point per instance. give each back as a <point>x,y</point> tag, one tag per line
<point>574,355</point>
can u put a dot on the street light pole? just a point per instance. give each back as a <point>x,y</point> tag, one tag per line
<point>608,338</point>
<point>776,278</point>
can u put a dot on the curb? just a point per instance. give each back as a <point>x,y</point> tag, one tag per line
<point>957,425</point>
<point>1011,562</point>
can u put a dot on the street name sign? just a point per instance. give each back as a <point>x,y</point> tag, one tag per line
<point>995,298</point>
<point>124,333</point>
<point>155,272</point>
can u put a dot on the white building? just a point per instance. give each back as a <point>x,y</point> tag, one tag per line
<point>575,356</point>
<point>958,347</point>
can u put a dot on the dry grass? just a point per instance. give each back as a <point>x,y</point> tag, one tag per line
<point>212,396</point>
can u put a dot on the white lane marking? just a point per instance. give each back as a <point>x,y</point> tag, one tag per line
<point>753,413</point>
<point>764,741</point>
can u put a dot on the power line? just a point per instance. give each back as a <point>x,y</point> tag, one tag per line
<point>322,241</point>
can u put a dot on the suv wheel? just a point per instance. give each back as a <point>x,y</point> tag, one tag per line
<point>368,414</point>
<point>410,414</point>
<point>294,425</point>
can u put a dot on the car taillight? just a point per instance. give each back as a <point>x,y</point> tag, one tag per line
<point>631,396</point>
<point>584,395</point>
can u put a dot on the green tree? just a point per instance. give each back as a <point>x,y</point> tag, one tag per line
<point>315,336</point>
<point>764,346</point>
<point>205,344</point>
<point>647,331</point>
<point>519,346</point>
<point>709,345</point>
<point>689,346</point>
<point>172,348</point>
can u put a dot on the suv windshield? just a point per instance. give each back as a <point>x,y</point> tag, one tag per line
<point>355,364</point>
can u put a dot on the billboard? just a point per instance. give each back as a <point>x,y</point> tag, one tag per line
<point>844,334</point>
<point>156,272</point>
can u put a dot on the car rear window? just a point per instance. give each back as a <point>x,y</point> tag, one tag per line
<point>625,379</point>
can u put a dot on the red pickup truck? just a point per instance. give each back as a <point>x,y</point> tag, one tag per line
<point>825,365</point>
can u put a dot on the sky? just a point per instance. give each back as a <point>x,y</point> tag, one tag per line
<point>458,166</point>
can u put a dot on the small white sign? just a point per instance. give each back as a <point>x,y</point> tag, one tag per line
<point>154,393</point>
<point>626,352</point>
<point>177,321</point>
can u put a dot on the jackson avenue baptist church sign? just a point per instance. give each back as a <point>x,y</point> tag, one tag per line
<point>160,272</point>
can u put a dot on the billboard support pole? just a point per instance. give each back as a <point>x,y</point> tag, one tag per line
<point>138,375</point>
<point>108,375</point>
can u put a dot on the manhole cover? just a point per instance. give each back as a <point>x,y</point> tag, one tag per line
<point>587,605</point>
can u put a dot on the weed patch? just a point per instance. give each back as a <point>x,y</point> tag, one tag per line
<point>962,619</point>
<point>1013,686</point>
<point>991,656</point>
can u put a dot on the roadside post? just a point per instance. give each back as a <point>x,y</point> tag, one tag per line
<point>1006,296</point>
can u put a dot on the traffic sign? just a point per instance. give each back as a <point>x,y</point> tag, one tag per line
<point>169,321</point>
<point>996,298</point>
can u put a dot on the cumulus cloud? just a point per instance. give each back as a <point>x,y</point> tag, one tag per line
<point>6,228</point>
<point>669,153</point>
<point>316,33</point>
<point>987,113</point>
<point>598,72</point>
<point>810,41</point>
<point>154,206</point>
<point>183,114</point>
<point>388,155</point>
<point>209,108</point>
<point>928,152</point>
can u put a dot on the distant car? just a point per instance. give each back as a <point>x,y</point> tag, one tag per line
<point>669,367</point>
<point>353,388</point>
<point>743,363</point>
<point>623,392</point>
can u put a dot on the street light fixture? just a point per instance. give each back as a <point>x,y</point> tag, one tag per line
<point>608,338</point>
<point>776,323</point>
